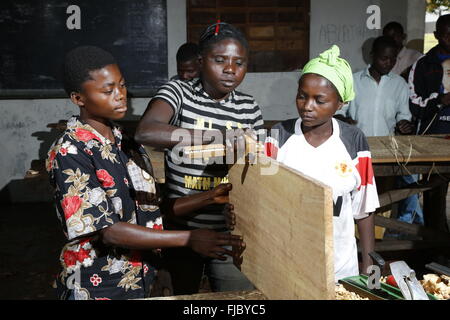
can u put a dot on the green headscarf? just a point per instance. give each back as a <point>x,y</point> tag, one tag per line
<point>335,69</point>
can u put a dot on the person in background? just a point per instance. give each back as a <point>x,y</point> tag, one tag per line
<point>429,100</point>
<point>334,153</point>
<point>406,56</point>
<point>187,62</point>
<point>429,97</point>
<point>381,104</point>
<point>381,108</point>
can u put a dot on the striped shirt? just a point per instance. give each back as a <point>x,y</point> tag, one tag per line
<point>195,109</point>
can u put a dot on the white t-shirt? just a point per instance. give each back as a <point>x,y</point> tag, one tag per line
<point>343,162</point>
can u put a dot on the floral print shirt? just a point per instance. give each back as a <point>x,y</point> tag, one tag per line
<point>95,186</point>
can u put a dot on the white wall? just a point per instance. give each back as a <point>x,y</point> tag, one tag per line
<point>23,122</point>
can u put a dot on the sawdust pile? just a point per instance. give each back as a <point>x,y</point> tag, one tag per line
<point>344,294</point>
<point>439,286</point>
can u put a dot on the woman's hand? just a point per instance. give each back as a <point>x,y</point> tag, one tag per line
<point>240,143</point>
<point>220,194</point>
<point>230,216</point>
<point>237,255</point>
<point>211,243</point>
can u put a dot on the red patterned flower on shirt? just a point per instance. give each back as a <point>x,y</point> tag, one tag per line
<point>85,135</point>
<point>51,158</point>
<point>88,151</point>
<point>105,178</point>
<point>95,280</point>
<point>70,205</point>
<point>136,258</point>
<point>157,227</point>
<point>70,258</point>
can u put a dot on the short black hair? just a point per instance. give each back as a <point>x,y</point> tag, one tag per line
<point>187,52</point>
<point>79,62</point>
<point>383,42</point>
<point>224,30</point>
<point>393,25</point>
<point>442,21</point>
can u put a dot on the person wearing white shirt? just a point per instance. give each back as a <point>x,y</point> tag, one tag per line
<point>381,108</point>
<point>381,105</point>
<point>406,56</point>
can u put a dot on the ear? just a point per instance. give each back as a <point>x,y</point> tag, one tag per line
<point>77,98</point>
<point>340,105</point>
<point>436,35</point>
<point>200,61</point>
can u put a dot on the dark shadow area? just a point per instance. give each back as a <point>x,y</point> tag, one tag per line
<point>366,49</point>
<point>30,242</point>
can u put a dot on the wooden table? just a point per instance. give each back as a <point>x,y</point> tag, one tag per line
<point>426,155</point>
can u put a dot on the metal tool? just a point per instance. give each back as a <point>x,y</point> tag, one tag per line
<point>438,268</point>
<point>407,281</point>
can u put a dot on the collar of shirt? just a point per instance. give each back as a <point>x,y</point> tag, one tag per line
<point>75,124</point>
<point>298,128</point>
<point>401,53</point>
<point>198,87</point>
<point>366,73</point>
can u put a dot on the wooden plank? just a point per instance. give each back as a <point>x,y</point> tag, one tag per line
<point>393,196</point>
<point>400,245</point>
<point>230,295</point>
<point>410,228</point>
<point>409,149</point>
<point>286,221</point>
<point>387,169</point>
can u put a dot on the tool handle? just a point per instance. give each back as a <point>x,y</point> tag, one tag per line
<point>377,259</point>
<point>433,266</point>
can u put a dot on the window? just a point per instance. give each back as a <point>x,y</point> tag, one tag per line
<point>277,30</point>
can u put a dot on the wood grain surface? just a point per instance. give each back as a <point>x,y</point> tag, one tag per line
<point>286,221</point>
<point>409,149</point>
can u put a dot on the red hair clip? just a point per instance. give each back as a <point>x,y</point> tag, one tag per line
<point>217,28</point>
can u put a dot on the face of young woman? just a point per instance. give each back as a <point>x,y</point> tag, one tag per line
<point>223,68</point>
<point>104,96</point>
<point>317,100</point>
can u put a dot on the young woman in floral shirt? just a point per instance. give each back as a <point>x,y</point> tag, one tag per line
<point>106,197</point>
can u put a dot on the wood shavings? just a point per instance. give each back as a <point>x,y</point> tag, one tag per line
<point>439,286</point>
<point>344,294</point>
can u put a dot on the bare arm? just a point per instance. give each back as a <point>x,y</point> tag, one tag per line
<point>366,230</point>
<point>185,205</point>
<point>205,242</point>
<point>154,128</point>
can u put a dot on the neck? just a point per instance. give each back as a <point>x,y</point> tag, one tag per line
<point>99,124</point>
<point>317,135</point>
<point>375,74</point>
<point>214,93</point>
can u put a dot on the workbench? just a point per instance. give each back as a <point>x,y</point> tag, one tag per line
<point>391,156</point>
<point>404,155</point>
